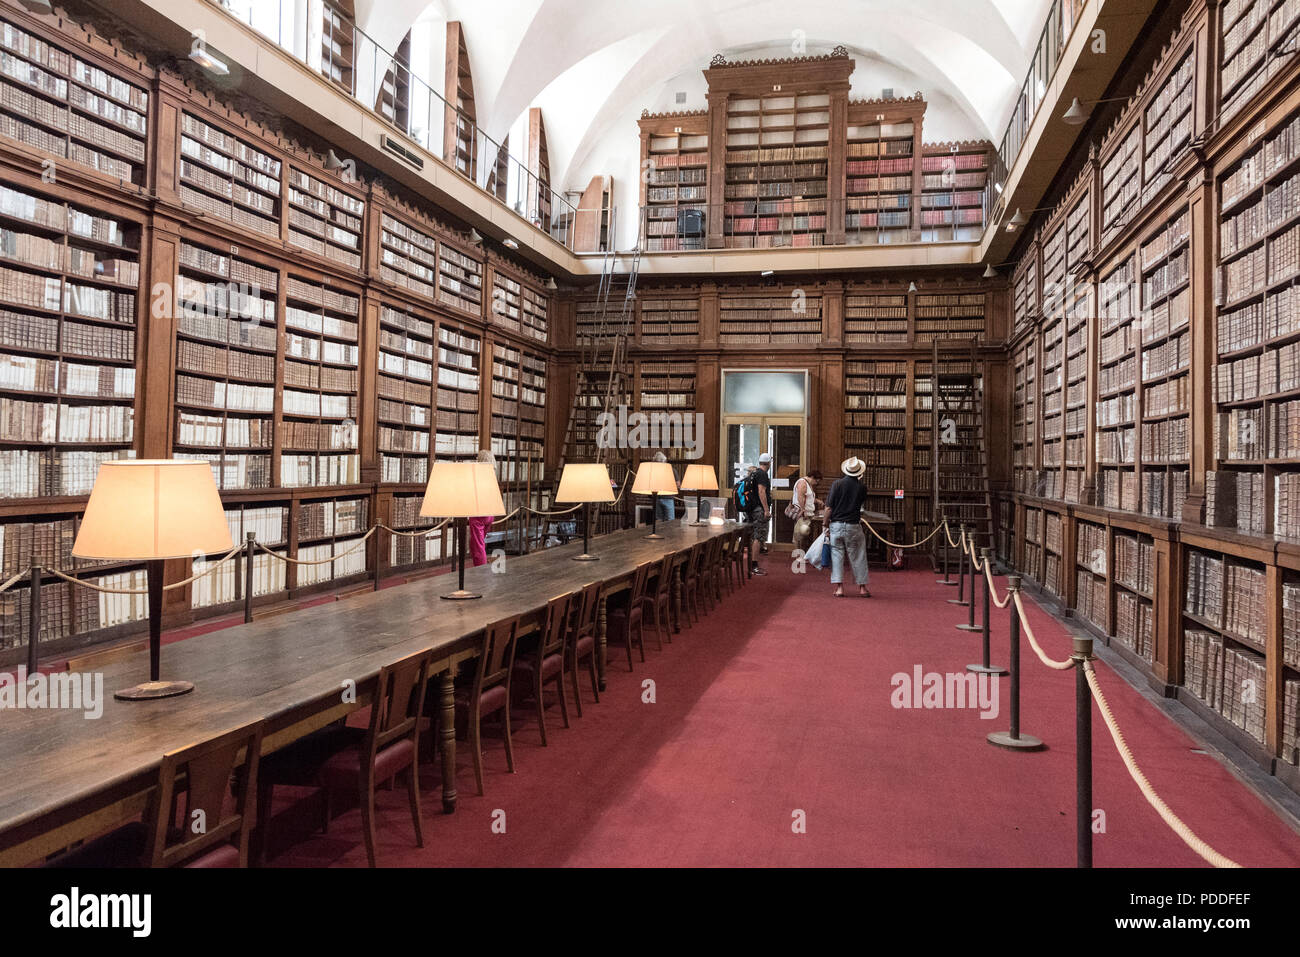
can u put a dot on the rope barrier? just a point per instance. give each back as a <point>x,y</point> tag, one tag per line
<point>993,592</point>
<point>1065,665</point>
<point>333,558</point>
<point>211,569</point>
<point>418,533</point>
<point>895,545</point>
<point>1209,854</point>
<point>10,583</point>
<point>948,534</point>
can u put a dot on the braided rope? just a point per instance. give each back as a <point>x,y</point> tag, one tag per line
<point>993,592</point>
<point>419,532</point>
<point>505,518</point>
<point>894,544</point>
<point>1065,665</point>
<point>99,588</point>
<point>333,558</point>
<point>566,511</point>
<point>10,583</point>
<point>1207,853</point>
<point>952,543</point>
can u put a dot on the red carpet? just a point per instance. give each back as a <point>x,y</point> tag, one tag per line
<point>781,701</point>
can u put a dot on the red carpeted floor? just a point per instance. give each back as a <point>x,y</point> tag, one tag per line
<point>780,702</point>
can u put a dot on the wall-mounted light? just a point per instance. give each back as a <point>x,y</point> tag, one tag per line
<point>1076,115</point>
<point>210,63</point>
<point>990,272</point>
<point>765,273</point>
<point>510,243</point>
<point>475,238</point>
<point>911,287</point>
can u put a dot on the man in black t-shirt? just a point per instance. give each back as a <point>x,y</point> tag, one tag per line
<point>759,513</point>
<point>844,526</point>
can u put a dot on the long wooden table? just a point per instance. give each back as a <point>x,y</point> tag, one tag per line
<point>67,778</point>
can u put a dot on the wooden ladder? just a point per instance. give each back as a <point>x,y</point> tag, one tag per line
<point>959,453</point>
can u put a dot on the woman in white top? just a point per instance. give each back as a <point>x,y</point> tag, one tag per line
<point>805,496</point>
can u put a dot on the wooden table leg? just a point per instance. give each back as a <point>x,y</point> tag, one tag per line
<point>447,738</point>
<point>600,644</point>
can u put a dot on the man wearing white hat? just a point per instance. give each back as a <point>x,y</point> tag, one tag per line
<point>844,526</point>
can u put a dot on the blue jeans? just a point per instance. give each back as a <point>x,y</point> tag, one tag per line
<point>666,509</point>
<point>848,540</point>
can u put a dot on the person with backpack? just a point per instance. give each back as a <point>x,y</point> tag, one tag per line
<point>844,520</point>
<point>753,500</point>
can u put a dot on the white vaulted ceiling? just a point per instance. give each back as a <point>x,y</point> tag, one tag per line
<point>593,65</point>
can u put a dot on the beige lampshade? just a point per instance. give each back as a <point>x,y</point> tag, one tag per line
<point>462,490</point>
<point>152,508</point>
<point>655,477</point>
<point>584,483</point>
<point>700,478</point>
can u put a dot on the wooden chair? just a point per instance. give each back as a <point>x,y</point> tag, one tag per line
<point>708,574</point>
<point>209,834</point>
<point>546,663</point>
<point>740,557</point>
<point>582,639</point>
<point>691,582</point>
<point>341,758</point>
<point>489,692</point>
<point>623,622</point>
<point>658,599</point>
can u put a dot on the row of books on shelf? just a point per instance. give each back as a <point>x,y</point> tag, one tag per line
<point>215,431</point>
<point>321,436</point>
<point>1255,433</point>
<point>55,295</point>
<point>1258,376</point>
<point>775,154</point>
<point>224,395</point>
<point>298,471</point>
<point>1164,492</point>
<point>319,323</point>
<point>350,562</point>
<point>221,587</point>
<point>319,350</point>
<point>45,423</point>
<point>1090,598</point>
<point>403,468</point>
<point>68,610</point>
<point>407,550</point>
<point>1226,678</point>
<point>215,361</point>
<point>1134,624</point>
<point>326,378</point>
<point>38,473</point>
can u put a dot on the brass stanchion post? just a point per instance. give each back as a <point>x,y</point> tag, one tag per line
<point>1013,739</point>
<point>961,570</point>
<point>984,667</point>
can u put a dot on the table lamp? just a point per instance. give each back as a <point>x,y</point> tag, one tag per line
<point>697,479</point>
<point>462,490</point>
<point>655,478</point>
<point>586,484</point>
<point>153,510</point>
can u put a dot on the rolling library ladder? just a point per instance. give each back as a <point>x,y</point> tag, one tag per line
<point>604,378</point>
<point>959,456</point>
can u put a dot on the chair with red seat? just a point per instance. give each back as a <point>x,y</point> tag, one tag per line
<point>343,758</point>
<point>623,623</point>
<point>209,834</point>
<point>489,691</point>
<point>584,616</point>
<point>546,662</point>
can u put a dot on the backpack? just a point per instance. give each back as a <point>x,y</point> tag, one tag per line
<point>742,496</point>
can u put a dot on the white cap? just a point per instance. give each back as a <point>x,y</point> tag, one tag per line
<point>765,457</point>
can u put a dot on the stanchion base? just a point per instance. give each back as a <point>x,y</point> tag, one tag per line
<point>970,627</point>
<point>149,690</point>
<point>988,669</point>
<point>459,595</point>
<point>940,581</point>
<point>955,601</point>
<point>1026,742</point>
<point>585,557</point>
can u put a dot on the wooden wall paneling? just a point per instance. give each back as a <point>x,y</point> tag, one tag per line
<point>708,401</point>
<point>832,293</point>
<point>998,383</point>
<point>828,441</point>
<point>709,315</point>
<point>1204,226</point>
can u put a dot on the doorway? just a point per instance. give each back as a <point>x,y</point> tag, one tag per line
<point>765,411</point>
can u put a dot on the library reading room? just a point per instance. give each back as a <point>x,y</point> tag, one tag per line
<point>707,433</point>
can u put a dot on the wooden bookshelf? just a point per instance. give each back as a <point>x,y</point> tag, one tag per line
<point>323,528</point>
<point>949,316</point>
<point>408,257</point>
<point>324,219</point>
<point>877,318</point>
<point>539,165</point>
<point>460,280</point>
<point>59,102</point>
<point>880,186</point>
<point>1024,425</point>
<point>225,176</point>
<point>227,338</point>
<point>952,193</point>
<point>321,396</point>
<point>406,551</point>
<point>393,101</point>
<point>769,320</point>
<point>675,168</point>
<point>457,394</point>
<point>460,136</point>
<point>876,427</point>
<point>68,281</point>
<point>224,587</point>
<point>1116,409</point>
<point>670,322</point>
<point>1255,38</point>
<point>507,389</point>
<point>668,388</point>
<point>405,404</point>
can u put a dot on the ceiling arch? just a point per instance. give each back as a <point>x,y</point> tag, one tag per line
<point>587,68</point>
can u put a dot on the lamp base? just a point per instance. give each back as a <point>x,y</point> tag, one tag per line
<point>696,524</point>
<point>148,690</point>
<point>460,595</point>
<point>585,557</point>
<point>654,537</point>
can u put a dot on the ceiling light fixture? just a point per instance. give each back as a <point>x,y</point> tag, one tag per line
<point>990,272</point>
<point>210,63</point>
